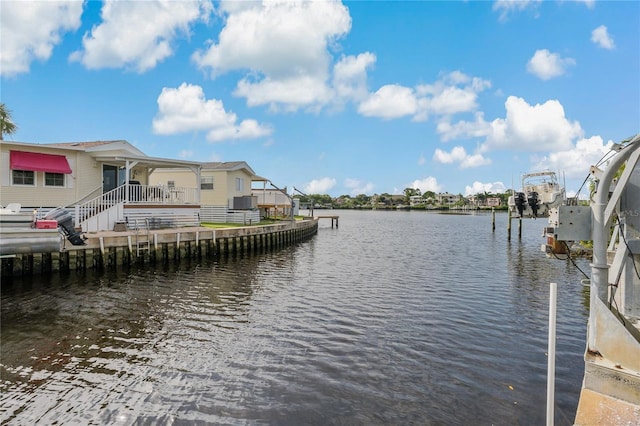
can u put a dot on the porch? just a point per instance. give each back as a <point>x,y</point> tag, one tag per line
<point>138,206</point>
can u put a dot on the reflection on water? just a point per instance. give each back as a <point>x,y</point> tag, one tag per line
<point>394,318</point>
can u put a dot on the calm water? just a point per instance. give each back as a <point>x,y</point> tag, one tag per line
<point>394,318</point>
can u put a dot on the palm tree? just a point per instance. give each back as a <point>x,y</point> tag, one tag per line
<point>7,126</point>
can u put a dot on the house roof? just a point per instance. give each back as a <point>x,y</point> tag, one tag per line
<point>83,144</point>
<point>116,151</point>
<point>97,146</point>
<point>227,166</point>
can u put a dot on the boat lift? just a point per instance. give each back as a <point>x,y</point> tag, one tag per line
<point>611,387</point>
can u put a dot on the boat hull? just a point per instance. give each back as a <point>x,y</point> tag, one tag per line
<point>18,241</point>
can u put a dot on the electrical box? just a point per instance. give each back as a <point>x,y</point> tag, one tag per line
<point>571,223</point>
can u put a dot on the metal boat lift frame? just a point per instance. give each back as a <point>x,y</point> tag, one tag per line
<point>611,386</point>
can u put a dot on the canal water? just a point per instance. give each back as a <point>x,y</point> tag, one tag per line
<point>393,318</point>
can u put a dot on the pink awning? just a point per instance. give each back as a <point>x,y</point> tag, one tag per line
<point>37,162</point>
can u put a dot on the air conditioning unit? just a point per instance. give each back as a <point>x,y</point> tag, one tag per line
<point>246,202</point>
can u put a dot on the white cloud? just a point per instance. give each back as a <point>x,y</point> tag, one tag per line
<point>185,153</point>
<point>30,29</point>
<point>138,34</point>
<point>350,76</point>
<point>540,127</point>
<point>421,160</point>
<point>477,128</point>
<point>575,161</point>
<point>459,155</point>
<point>357,187</point>
<point>589,3</point>
<point>601,37</point>
<point>320,186</point>
<point>505,7</point>
<point>481,188</point>
<point>287,94</point>
<point>546,65</point>
<point>454,93</point>
<point>426,184</point>
<point>390,101</point>
<point>185,109</point>
<point>283,46</point>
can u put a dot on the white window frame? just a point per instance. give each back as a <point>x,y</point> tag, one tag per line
<point>13,182</point>
<point>239,184</point>
<point>209,181</point>
<point>64,180</point>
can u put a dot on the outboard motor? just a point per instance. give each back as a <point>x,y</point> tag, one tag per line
<point>65,223</point>
<point>533,202</point>
<point>520,202</point>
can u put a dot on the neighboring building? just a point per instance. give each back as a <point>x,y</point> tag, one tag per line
<point>220,183</point>
<point>93,180</point>
<point>225,190</point>
<point>446,198</point>
<point>416,200</point>
<point>493,201</point>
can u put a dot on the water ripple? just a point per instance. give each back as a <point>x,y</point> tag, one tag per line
<point>395,318</point>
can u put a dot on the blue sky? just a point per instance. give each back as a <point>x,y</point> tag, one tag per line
<point>330,97</point>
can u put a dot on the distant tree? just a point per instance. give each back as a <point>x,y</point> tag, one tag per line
<point>428,194</point>
<point>7,126</point>
<point>410,192</point>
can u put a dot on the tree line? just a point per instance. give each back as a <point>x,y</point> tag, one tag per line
<point>428,198</point>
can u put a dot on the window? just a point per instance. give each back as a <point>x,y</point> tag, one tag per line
<point>171,184</point>
<point>239,184</point>
<point>206,182</point>
<point>54,179</point>
<point>23,177</point>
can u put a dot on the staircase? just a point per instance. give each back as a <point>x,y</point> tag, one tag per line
<point>101,212</point>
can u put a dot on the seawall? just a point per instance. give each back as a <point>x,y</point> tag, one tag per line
<point>112,249</point>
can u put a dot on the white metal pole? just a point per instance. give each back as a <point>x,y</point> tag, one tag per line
<point>551,353</point>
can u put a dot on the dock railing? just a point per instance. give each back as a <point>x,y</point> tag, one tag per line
<point>135,194</point>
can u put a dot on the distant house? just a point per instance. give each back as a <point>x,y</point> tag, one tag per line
<point>99,182</point>
<point>447,199</point>
<point>416,200</point>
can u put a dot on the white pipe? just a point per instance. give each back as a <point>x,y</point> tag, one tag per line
<point>551,353</point>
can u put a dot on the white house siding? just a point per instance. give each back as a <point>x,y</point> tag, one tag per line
<point>39,195</point>
<point>224,184</point>
<point>181,178</point>
<point>90,172</point>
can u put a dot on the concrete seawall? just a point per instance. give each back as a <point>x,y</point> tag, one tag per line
<point>111,249</point>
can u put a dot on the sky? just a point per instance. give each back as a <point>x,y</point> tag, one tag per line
<point>329,97</point>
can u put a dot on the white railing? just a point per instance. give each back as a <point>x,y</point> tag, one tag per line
<point>136,194</point>
<point>158,194</point>
<point>99,204</point>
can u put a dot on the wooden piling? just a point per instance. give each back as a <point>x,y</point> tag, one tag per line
<point>113,250</point>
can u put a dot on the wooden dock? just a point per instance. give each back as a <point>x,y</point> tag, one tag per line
<point>332,217</point>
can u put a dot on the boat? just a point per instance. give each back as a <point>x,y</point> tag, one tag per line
<point>12,217</point>
<point>540,192</point>
<point>23,233</point>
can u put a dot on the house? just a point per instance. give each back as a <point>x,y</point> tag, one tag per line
<point>100,183</point>
<point>224,187</point>
<point>416,200</point>
<point>447,199</point>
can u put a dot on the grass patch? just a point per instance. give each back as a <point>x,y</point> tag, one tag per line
<point>269,221</point>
